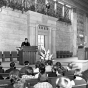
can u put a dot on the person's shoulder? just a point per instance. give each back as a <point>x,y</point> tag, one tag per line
<point>23,42</point>
<point>1,70</point>
<point>22,70</point>
<point>23,67</point>
<point>37,85</point>
<point>49,84</point>
<point>17,69</point>
<point>8,70</point>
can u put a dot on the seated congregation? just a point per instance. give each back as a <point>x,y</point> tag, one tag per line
<point>45,75</point>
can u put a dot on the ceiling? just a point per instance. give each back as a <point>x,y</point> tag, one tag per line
<point>83,4</point>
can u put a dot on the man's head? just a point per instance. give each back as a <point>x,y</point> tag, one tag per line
<point>26,40</point>
<point>58,64</point>
<point>70,65</point>
<point>14,76</point>
<point>49,62</point>
<point>42,68</point>
<point>37,65</point>
<point>26,63</point>
<point>63,82</point>
<point>12,65</point>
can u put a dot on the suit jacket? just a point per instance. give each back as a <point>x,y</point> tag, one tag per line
<point>23,69</point>
<point>1,70</point>
<point>25,44</point>
<point>9,70</point>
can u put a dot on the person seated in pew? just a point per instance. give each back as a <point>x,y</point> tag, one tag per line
<point>63,82</point>
<point>53,73</point>
<point>1,71</point>
<point>70,71</point>
<point>37,65</point>
<point>29,74</point>
<point>16,81</point>
<point>48,67</point>
<point>60,69</point>
<point>1,68</point>
<point>73,68</point>
<point>41,71</point>
<point>26,65</point>
<point>69,66</point>
<point>12,67</point>
<point>43,81</point>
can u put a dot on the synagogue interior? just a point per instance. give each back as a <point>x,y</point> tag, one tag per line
<point>45,41</point>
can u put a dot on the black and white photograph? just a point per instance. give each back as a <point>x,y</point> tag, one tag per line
<point>43,44</point>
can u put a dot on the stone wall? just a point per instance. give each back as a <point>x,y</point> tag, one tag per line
<point>13,29</point>
<point>60,33</point>
<point>63,37</point>
<point>15,26</point>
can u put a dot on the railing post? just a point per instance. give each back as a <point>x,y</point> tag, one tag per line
<point>35,5</point>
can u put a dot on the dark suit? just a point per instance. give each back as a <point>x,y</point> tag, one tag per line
<point>23,69</point>
<point>1,71</point>
<point>25,44</point>
<point>9,70</point>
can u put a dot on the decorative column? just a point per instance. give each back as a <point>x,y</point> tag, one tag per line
<point>28,26</point>
<point>74,28</point>
<point>35,5</point>
<point>55,6</point>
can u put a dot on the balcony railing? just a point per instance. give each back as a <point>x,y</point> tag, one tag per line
<point>52,8</point>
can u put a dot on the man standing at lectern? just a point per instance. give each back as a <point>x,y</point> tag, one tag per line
<point>25,43</point>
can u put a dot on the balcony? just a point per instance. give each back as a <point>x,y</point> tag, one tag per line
<point>50,8</point>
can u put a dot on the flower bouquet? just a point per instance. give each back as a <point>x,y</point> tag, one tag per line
<point>45,54</point>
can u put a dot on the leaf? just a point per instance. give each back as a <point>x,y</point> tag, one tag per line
<point>48,52</point>
<point>43,55</point>
<point>46,58</point>
<point>50,57</point>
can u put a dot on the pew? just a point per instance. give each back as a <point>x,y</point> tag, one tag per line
<point>7,74</point>
<point>52,80</point>
<point>14,54</point>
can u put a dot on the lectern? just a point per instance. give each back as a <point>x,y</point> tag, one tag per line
<point>27,53</point>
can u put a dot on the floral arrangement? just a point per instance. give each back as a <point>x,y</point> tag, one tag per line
<point>45,54</point>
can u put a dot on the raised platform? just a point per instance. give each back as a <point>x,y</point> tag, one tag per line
<point>83,64</point>
<point>70,59</point>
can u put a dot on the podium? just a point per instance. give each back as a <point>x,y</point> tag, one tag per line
<point>81,53</point>
<point>27,53</point>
